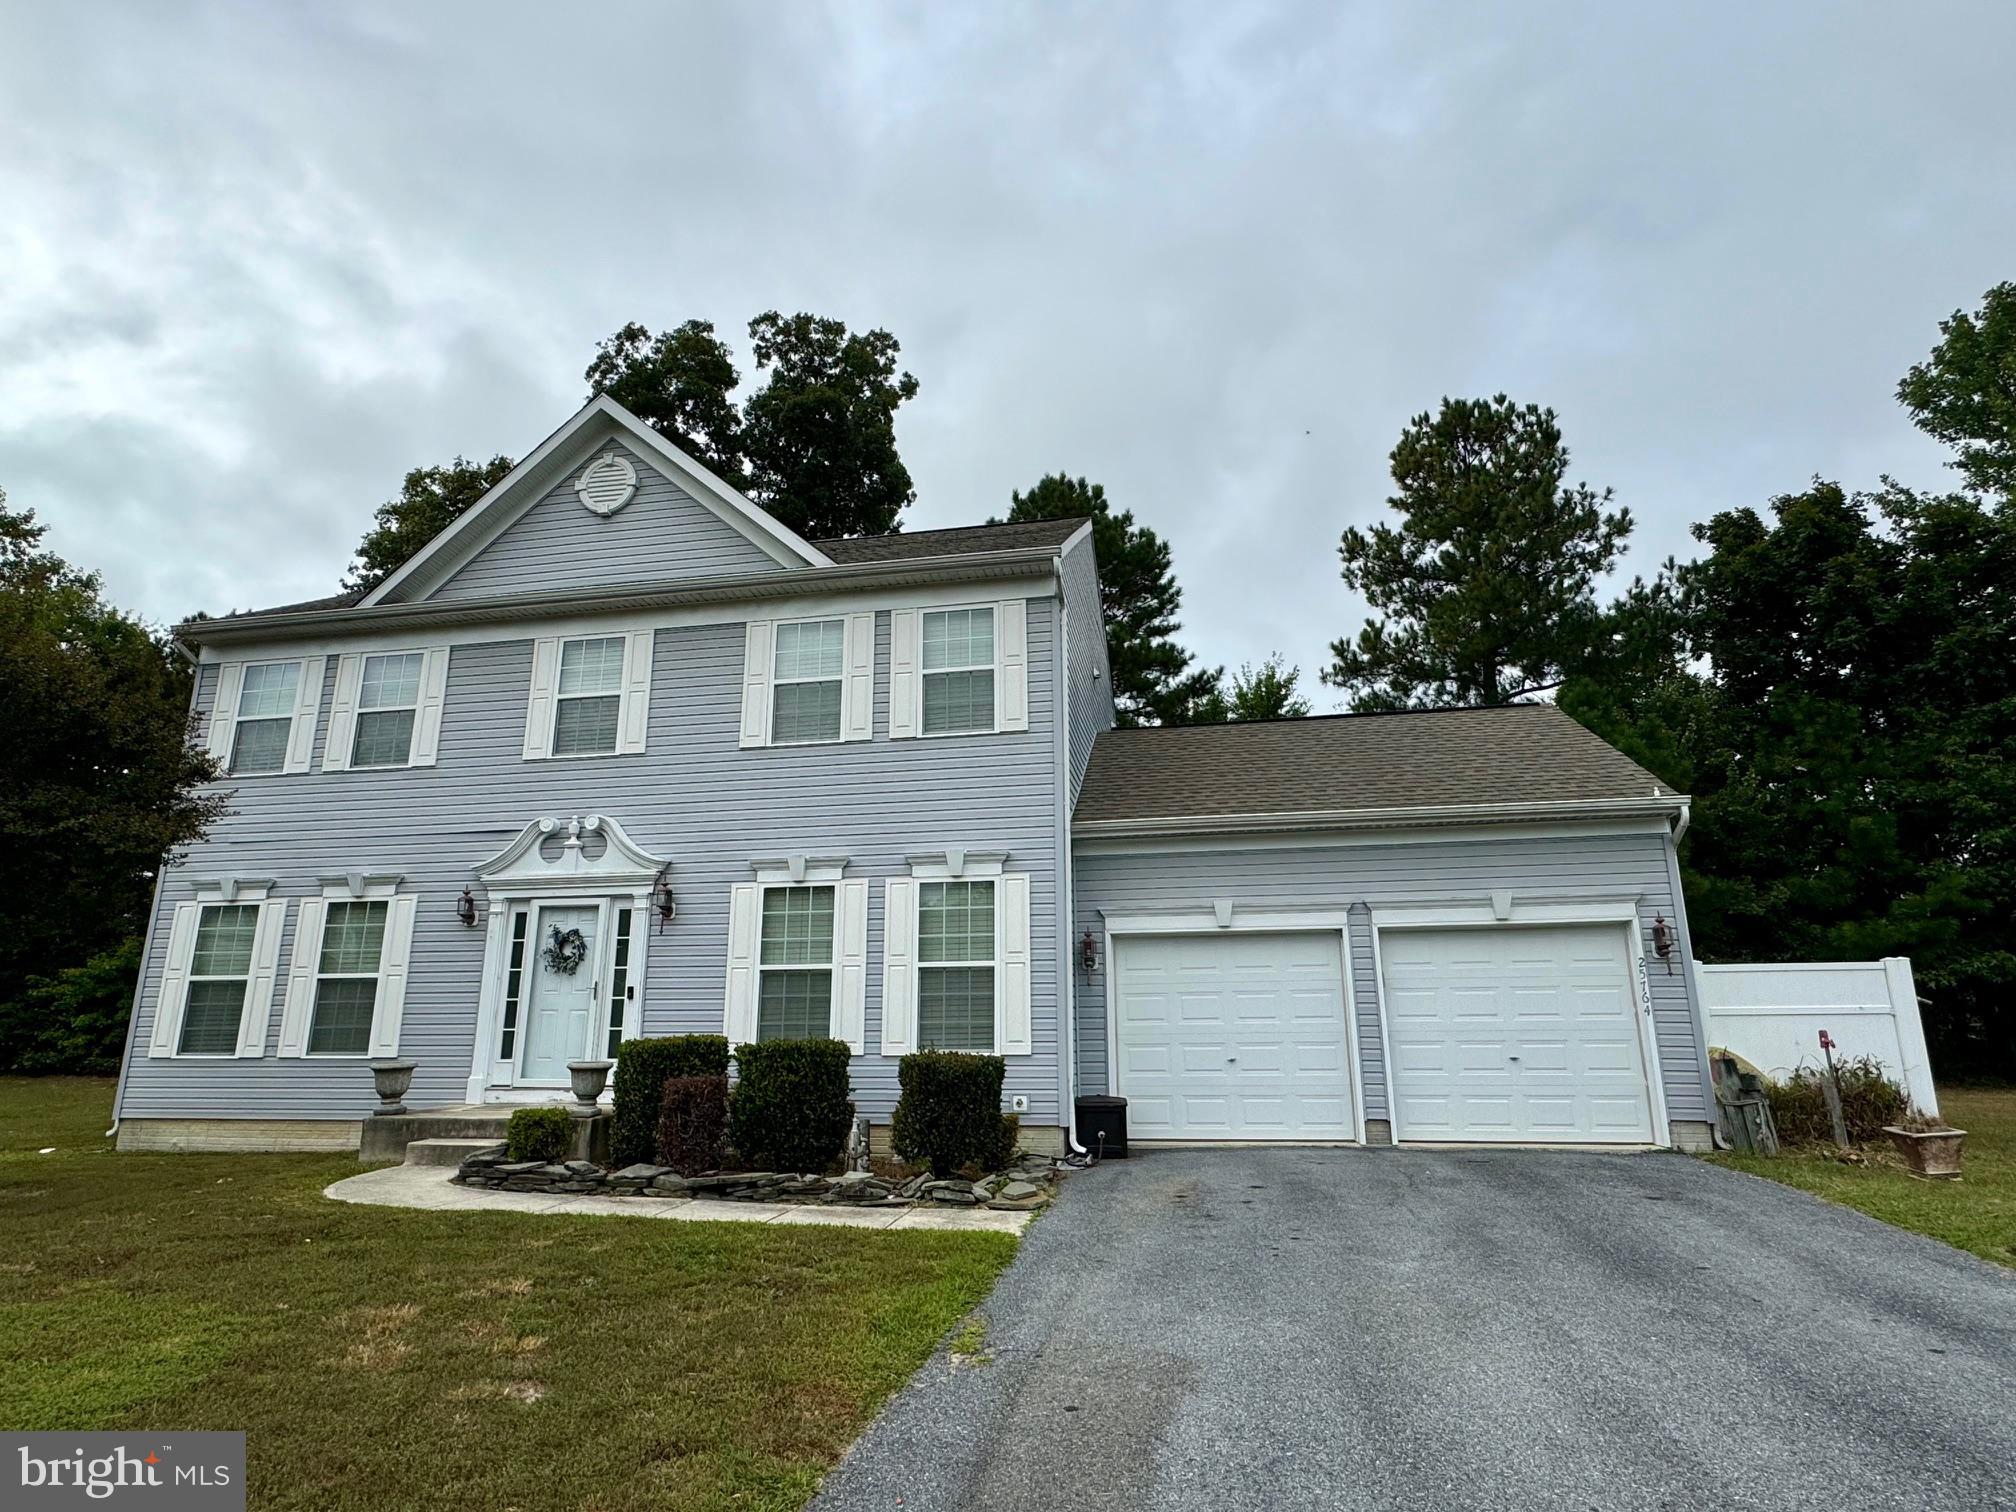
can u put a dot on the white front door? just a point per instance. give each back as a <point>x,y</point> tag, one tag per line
<point>560,1013</point>
<point>1233,1037</point>
<point>1515,1035</point>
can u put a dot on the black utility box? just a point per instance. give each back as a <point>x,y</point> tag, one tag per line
<point>1102,1126</point>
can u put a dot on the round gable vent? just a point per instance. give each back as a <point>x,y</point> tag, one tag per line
<point>607,483</point>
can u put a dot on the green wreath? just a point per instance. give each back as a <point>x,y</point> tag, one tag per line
<point>565,952</point>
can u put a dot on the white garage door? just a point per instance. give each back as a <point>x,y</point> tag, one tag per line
<point>1515,1035</point>
<point>1233,1036</point>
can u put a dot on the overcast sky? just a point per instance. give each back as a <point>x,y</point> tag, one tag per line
<point>256,261</point>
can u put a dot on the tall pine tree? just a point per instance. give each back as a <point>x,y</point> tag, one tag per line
<point>1153,679</point>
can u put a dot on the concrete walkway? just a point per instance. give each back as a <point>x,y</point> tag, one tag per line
<point>430,1187</point>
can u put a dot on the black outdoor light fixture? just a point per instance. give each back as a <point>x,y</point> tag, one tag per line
<point>1088,953</point>
<point>465,908</point>
<point>1662,941</point>
<point>661,897</point>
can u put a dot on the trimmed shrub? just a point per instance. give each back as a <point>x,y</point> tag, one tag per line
<point>1004,1149</point>
<point>1869,1100</point>
<point>539,1134</point>
<point>693,1124</point>
<point>791,1111</point>
<point>950,1112</point>
<point>643,1066</point>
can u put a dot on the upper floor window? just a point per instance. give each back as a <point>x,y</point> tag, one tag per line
<point>958,665</point>
<point>267,700</point>
<point>807,677</point>
<point>794,997</point>
<point>388,698</point>
<point>346,978</point>
<point>587,706</point>
<point>955,965</point>
<point>220,970</point>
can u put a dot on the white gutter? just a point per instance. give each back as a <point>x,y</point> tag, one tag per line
<point>1382,818</point>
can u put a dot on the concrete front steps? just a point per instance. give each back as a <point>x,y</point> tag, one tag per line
<point>389,1138</point>
<point>446,1152</point>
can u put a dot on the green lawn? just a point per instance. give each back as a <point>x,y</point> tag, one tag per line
<point>1977,1212</point>
<point>378,1357</point>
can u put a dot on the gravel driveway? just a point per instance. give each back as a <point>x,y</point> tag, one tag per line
<point>1225,1329</point>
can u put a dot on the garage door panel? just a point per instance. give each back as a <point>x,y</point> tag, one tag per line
<point>1255,1047</point>
<point>1515,1033</point>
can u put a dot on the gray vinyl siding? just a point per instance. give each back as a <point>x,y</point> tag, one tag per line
<point>1090,697</point>
<point>694,796</point>
<point>664,532</point>
<point>1456,870</point>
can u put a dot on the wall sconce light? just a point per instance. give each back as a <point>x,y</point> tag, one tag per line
<point>1662,941</point>
<point>465,908</point>
<point>661,899</point>
<point>1088,953</point>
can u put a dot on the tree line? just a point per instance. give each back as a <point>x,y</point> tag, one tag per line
<point>1833,678</point>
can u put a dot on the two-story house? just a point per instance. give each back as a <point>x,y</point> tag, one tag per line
<point>620,754</point>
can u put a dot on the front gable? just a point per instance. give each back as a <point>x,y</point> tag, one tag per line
<point>603,501</point>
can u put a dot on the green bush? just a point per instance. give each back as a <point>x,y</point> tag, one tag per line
<point>1869,1100</point>
<point>693,1124</point>
<point>73,1023</point>
<point>791,1111</point>
<point>1004,1148</point>
<point>643,1066</point>
<point>950,1112</point>
<point>539,1134</point>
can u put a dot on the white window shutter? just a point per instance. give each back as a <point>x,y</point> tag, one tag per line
<point>899,965</point>
<point>427,718</point>
<point>857,691</point>
<point>299,1008</point>
<point>756,672</point>
<point>539,707</point>
<point>635,715</point>
<point>174,980</point>
<point>745,911</point>
<point>258,1015</point>
<point>1012,924</point>
<point>307,704</point>
<point>1011,665</point>
<point>906,685</point>
<point>392,966</point>
<point>224,711</point>
<point>343,714</point>
<point>850,962</point>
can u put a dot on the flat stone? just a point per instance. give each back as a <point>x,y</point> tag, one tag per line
<point>913,1186</point>
<point>584,1168</point>
<point>557,1172</point>
<point>1017,1191</point>
<point>639,1173</point>
<point>1025,1205</point>
<point>515,1168</point>
<point>670,1183</point>
<point>965,1198</point>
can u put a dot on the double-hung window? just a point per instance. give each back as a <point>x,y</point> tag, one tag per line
<point>265,717</point>
<point>388,698</point>
<point>955,965</point>
<point>958,669</point>
<point>346,978</point>
<point>220,968</point>
<point>588,701</point>
<point>794,997</point>
<point>808,669</point>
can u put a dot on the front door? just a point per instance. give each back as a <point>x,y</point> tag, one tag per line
<point>561,1013</point>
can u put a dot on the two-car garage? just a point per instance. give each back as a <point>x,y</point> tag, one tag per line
<point>1494,1034</point>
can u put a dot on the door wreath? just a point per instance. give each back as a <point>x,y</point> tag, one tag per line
<point>566,951</point>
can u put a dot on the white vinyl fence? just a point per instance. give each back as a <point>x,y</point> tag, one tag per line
<point>1772,1017</point>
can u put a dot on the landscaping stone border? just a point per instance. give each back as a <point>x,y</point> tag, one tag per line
<point>1029,1182</point>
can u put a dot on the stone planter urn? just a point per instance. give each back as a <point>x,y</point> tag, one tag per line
<point>589,1078</point>
<point>1932,1153</point>
<point>392,1078</point>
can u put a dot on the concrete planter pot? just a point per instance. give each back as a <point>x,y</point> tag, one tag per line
<point>588,1078</point>
<point>392,1079</point>
<point>1933,1153</point>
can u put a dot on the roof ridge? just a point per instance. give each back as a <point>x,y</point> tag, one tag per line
<point>1224,724</point>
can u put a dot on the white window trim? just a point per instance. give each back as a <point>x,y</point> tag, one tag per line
<point>847,1003</point>
<point>394,960</point>
<point>172,997</point>
<point>1010,668</point>
<point>856,678</point>
<point>222,731</point>
<point>430,699</point>
<point>633,708</point>
<point>1013,980</point>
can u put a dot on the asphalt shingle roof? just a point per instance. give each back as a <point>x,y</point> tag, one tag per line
<point>1524,753</point>
<point>913,545</point>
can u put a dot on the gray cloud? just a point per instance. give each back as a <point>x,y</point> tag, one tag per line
<point>255,261</point>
